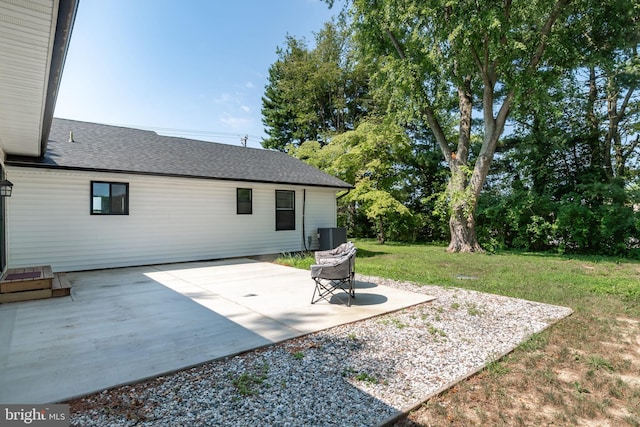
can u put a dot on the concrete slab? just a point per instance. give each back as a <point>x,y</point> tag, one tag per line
<point>124,325</point>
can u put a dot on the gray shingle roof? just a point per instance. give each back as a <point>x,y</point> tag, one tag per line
<point>118,149</point>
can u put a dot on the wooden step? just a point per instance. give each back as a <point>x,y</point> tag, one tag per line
<point>61,287</point>
<point>24,284</point>
<point>26,279</point>
<point>25,295</point>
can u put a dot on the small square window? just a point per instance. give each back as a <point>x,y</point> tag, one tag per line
<point>285,210</point>
<point>244,201</point>
<point>109,198</point>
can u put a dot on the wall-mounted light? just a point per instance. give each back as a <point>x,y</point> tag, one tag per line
<point>5,188</point>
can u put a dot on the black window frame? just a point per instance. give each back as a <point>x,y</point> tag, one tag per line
<point>286,216</point>
<point>110,197</point>
<point>241,205</point>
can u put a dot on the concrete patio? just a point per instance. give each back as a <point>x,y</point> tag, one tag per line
<point>124,325</point>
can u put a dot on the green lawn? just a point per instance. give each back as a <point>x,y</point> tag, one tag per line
<point>581,371</point>
<point>572,281</point>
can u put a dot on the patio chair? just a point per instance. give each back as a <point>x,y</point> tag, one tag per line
<point>333,272</point>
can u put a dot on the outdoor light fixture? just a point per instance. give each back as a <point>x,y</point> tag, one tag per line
<point>5,188</point>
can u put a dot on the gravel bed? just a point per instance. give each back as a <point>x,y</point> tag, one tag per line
<point>359,374</point>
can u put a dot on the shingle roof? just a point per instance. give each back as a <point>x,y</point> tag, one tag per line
<point>119,149</point>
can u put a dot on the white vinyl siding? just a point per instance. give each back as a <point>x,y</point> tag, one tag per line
<point>321,208</point>
<point>170,220</point>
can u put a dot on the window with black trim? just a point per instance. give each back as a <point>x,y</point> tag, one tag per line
<point>243,201</point>
<point>285,210</point>
<point>109,198</point>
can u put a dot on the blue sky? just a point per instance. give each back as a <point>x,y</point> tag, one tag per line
<point>180,66</point>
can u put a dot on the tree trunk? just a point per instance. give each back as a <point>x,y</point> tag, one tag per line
<point>381,235</point>
<point>463,203</point>
<point>462,224</point>
<point>613,138</point>
<point>463,231</point>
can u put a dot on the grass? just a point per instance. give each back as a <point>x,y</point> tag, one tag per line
<point>582,371</point>
<point>249,383</point>
<point>395,322</point>
<point>553,279</point>
<point>360,376</point>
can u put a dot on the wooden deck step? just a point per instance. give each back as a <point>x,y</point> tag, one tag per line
<point>26,279</point>
<point>25,295</point>
<point>61,287</point>
<point>24,284</point>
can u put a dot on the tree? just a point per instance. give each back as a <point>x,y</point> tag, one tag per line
<point>314,93</point>
<point>370,158</point>
<point>562,178</point>
<point>615,125</point>
<point>440,56</point>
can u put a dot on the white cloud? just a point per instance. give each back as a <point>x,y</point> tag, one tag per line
<point>245,108</point>
<point>225,98</point>
<point>237,123</point>
<point>249,85</point>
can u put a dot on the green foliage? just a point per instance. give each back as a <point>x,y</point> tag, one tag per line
<point>515,220</point>
<point>590,220</point>
<point>314,93</point>
<point>395,322</point>
<point>370,158</point>
<point>473,310</point>
<point>249,383</point>
<point>596,220</point>
<point>302,260</point>
<point>566,179</point>
<point>497,368</point>
<point>360,376</point>
<point>599,362</point>
<point>554,187</point>
<point>366,377</point>
<point>436,331</point>
<point>535,342</point>
<point>433,57</point>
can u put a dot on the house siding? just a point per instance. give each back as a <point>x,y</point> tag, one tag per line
<point>170,220</point>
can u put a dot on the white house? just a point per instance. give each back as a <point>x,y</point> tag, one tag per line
<point>88,196</point>
<point>106,196</point>
<point>34,38</point>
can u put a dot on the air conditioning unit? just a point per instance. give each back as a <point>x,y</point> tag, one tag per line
<point>331,238</point>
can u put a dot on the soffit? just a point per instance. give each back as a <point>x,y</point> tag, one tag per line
<point>27,33</point>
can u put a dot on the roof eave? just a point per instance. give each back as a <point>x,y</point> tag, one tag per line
<point>30,164</point>
<point>67,10</point>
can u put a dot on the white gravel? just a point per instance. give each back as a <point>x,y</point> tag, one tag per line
<point>359,374</point>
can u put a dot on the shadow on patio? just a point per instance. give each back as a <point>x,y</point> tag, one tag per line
<point>128,324</point>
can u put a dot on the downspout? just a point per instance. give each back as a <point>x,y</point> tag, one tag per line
<point>304,207</point>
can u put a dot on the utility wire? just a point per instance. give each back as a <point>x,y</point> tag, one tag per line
<point>239,138</point>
